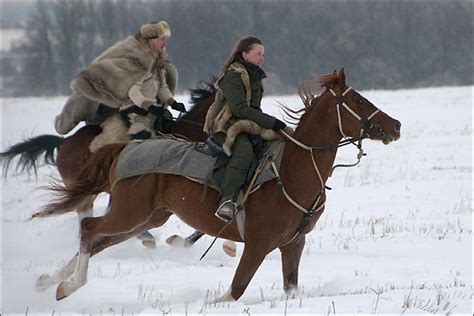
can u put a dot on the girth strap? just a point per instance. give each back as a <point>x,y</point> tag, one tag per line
<point>317,206</point>
<point>313,209</point>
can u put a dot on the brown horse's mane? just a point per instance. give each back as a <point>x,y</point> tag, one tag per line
<point>203,90</point>
<point>307,97</point>
<point>329,79</point>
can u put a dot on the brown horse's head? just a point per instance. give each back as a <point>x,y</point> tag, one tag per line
<point>357,116</point>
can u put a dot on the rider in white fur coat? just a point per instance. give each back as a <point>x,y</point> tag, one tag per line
<point>131,76</point>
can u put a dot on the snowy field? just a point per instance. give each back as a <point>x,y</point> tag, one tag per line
<point>396,236</point>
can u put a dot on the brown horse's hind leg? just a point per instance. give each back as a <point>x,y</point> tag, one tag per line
<point>159,218</point>
<point>146,237</point>
<point>290,258</point>
<point>45,281</point>
<point>132,207</point>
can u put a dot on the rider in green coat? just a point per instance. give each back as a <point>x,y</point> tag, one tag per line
<point>241,87</point>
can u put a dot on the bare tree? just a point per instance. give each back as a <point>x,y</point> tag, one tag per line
<point>383,44</point>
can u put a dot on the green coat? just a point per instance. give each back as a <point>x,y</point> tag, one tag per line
<point>242,162</point>
<point>235,94</point>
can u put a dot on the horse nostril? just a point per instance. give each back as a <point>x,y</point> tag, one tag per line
<point>398,125</point>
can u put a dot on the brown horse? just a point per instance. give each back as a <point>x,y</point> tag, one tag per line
<point>73,151</point>
<point>140,203</point>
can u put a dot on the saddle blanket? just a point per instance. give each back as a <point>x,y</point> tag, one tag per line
<point>173,156</point>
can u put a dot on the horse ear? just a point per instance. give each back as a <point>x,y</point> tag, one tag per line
<point>342,76</point>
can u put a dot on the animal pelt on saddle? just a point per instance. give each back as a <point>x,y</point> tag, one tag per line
<point>219,117</point>
<point>109,77</point>
<point>113,131</point>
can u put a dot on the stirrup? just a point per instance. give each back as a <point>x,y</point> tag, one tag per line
<point>215,148</point>
<point>226,211</point>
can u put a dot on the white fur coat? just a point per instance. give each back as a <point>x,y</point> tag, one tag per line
<point>109,77</point>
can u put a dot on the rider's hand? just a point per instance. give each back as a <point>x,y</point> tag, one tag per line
<point>156,110</point>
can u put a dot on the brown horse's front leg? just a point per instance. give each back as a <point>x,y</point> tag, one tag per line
<point>290,258</point>
<point>251,259</point>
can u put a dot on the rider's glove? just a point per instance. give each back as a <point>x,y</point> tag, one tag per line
<point>156,110</point>
<point>278,125</point>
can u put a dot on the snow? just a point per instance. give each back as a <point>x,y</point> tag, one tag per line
<point>396,236</point>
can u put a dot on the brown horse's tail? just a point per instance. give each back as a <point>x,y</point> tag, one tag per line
<point>92,179</point>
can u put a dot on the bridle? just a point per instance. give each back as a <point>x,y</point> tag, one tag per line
<point>364,122</point>
<point>320,199</point>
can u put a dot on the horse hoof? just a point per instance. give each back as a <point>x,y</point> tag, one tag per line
<point>66,288</point>
<point>291,291</point>
<point>43,283</point>
<point>176,241</point>
<point>147,240</point>
<point>229,248</point>
<point>61,292</point>
<point>227,297</point>
<point>149,243</point>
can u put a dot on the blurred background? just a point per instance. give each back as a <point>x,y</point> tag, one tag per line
<point>381,44</point>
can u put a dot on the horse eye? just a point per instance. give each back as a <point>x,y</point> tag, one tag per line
<point>360,102</point>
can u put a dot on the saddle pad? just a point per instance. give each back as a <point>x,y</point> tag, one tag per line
<point>171,156</point>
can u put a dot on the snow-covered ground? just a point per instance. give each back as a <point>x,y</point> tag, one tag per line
<point>396,236</point>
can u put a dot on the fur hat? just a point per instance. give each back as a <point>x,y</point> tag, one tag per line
<point>155,29</point>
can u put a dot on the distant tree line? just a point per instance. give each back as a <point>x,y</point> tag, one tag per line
<point>381,44</point>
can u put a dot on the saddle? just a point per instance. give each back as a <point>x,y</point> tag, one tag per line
<point>170,155</point>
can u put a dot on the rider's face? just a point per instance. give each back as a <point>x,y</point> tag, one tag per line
<point>255,56</point>
<point>158,45</point>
